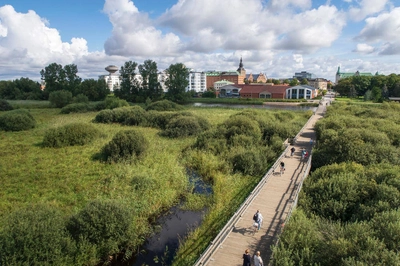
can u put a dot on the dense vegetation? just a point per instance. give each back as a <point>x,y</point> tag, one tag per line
<point>372,88</point>
<point>348,212</point>
<point>56,203</point>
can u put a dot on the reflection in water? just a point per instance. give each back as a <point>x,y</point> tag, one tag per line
<point>164,244</point>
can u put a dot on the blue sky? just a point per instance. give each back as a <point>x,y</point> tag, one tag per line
<point>275,37</point>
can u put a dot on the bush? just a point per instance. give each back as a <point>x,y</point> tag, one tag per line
<point>17,120</point>
<point>35,235</point>
<point>60,98</point>
<point>106,224</point>
<point>249,163</point>
<point>70,135</point>
<point>78,108</point>
<point>182,126</point>
<point>105,116</point>
<point>112,102</point>
<point>81,98</point>
<point>125,146</point>
<point>241,125</point>
<point>5,106</point>
<point>135,116</point>
<point>164,105</point>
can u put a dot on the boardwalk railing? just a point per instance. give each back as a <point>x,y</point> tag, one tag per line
<point>230,225</point>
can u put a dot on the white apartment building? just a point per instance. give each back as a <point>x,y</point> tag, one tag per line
<point>112,81</point>
<point>197,81</point>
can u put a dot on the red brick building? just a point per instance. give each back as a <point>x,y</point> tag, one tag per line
<point>262,91</point>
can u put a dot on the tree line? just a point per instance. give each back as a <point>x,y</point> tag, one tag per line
<point>56,77</point>
<point>377,88</point>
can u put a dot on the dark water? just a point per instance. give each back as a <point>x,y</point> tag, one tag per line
<point>164,244</point>
<point>175,225</point>
<point>264,106</point>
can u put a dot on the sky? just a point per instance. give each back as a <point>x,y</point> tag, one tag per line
<point>274,37</point>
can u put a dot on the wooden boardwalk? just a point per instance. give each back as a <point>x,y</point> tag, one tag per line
<point>274,200</point>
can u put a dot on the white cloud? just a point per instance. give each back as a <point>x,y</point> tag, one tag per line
<point>366,8</point>
<point>29,43</point>
<point>134,34</point>
<point>364,48</point>
<point>384,31</point>
<point>312,29</point>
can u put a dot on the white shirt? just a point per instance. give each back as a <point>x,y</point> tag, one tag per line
<point>258,260</point>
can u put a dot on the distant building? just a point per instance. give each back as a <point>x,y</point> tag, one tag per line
<point>237,77</point>
<point>262,91</point>
<point>229,91</point>
<point>221,83</point>
<point>197,81</point>
<point>303,75</point>
<point>112,80</point>
<point>256,78</point>
<point>318,83</point>
<point>341,75</point>
<point>301,92</point>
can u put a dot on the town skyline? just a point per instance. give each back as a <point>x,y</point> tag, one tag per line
<point>277,38</point>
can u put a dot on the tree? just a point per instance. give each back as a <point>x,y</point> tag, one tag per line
<point>177,81</point>
<point>95,90</point>
<point>286,81</point>
<point>72,79</point>
<point>304,81</point>
<point>276,81</point>
<point>30,90</point>
<point>294,82</point>
<point>343,86</point>
<point>361,84</point>
<point>54,77</point>
<point>8,90</point>
<point>151,88</point>
<point>129,88</point>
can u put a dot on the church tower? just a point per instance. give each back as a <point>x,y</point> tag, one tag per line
<point>242,72</point>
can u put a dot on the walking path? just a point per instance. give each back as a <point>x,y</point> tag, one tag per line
<point>274,200</point>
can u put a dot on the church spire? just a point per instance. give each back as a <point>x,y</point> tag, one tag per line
<point>241,68</point>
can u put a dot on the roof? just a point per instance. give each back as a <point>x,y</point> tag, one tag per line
<point>259,88</point>
<point>303,87</point>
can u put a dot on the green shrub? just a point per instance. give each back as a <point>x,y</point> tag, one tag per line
<point>249,162</point>
<point>241,125</point>
<point>5,106</point>
<point>112,102</point>
<point>107,224</point>
<point>105,116</point>
<point>182,126</point>
<point>36,235</point>
<point>125,146</point>
<point>70,135</point>
<point>135,116</point>
<point>78,108</point>
<point>81,98</point>
<point>17,120</point>
<point>60,98</point>
<point>211,140</point>
<point>164,105</point>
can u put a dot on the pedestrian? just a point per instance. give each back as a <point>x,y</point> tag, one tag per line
<point>282,167</point>
<point>257,259</point>
<point>306,155</point>
<point>292,150</point>
<point>246,258</point>
<point>260,220</point>
<point>303,153</point>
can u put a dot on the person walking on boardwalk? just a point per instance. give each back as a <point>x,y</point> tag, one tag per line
<point>260,220</point>
<point>292,150</point>
<point>303,153</point>
<point>246,258</point>
<point>282,168</point>
<point>257,259</point>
